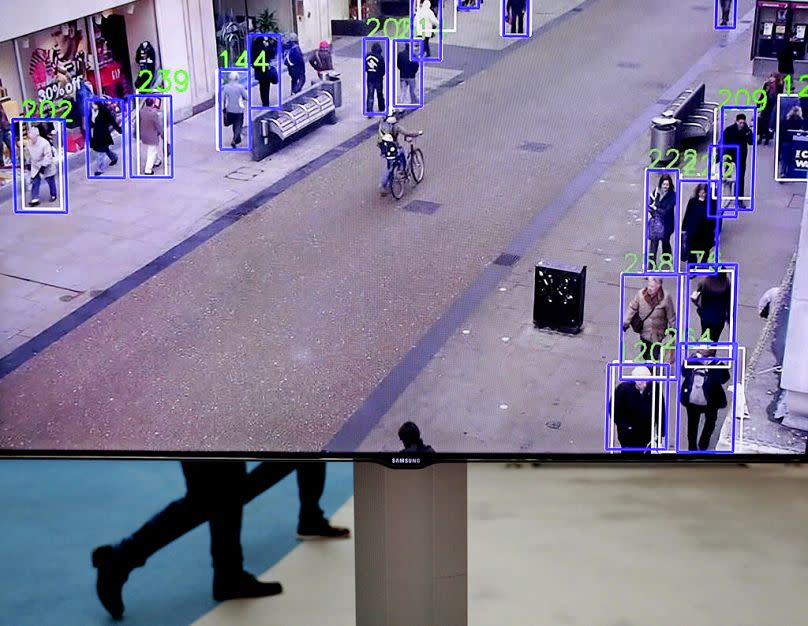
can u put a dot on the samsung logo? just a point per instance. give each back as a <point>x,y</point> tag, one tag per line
<point>404,459</point>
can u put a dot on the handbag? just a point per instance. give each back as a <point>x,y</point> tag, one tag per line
<point>226,119</point>
<point>656,225</point>
<point>638,322</point>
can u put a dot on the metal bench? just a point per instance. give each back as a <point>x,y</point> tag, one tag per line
<point>300,114</point>
<point>687,117</point>
<point>303,110</point>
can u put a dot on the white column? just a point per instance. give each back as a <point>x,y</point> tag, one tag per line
<point>411,545</point>
<point>794,378</point>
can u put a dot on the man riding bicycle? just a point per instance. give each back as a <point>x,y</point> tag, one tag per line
<point>389,131</point>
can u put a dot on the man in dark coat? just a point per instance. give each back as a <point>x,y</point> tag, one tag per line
<point>265,72</point>
<point>785,58</point>
<point>633,411</point>
<point>738,134</point>
<point>375,70</point>
<point>516,11</point>
<point>216,493</point>
<point>407,71</point>
<point>102,121</point>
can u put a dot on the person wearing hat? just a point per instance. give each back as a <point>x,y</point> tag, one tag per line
<point>374,74</point>
<point>633,410</point>
<point>295,62</point>
<point>389,131</point>
<point>321,60</point>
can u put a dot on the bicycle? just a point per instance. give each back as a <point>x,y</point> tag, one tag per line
<point>405,166</point>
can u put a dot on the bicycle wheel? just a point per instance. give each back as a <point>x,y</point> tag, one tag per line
<point>397,181</point>
<point>417,165</point>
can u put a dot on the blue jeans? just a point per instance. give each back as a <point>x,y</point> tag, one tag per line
<point>101,161</point>
<point>37,180</point>
<point>409,83</point>
<point>387,168</point>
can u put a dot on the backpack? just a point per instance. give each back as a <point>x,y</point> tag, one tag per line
<point>389,149</point>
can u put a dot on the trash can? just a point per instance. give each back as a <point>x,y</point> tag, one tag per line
<point>333,84</point>
<point>663,133</point>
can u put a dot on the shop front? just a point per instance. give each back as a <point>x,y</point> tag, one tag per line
<point>311,20</point>
<point>66,63</point>
<point>781,30</point>
<point>354,17</point>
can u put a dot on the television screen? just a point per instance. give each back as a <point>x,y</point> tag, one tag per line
<point>471,232</point>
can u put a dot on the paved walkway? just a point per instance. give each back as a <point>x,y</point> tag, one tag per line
<point>52,265</point>
<point>497,369</point>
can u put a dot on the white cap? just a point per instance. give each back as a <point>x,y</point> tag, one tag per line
<point>641,372</point>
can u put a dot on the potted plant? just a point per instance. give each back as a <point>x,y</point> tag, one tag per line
<point>266,22</point>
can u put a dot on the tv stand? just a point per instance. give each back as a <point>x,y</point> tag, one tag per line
<point>411,531</point>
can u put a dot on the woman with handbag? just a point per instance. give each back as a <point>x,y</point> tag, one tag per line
<point>43,165</point>
<point>702,394</point>
<point>713,298</point>
<point>650,313</point>
<point>661,214</point>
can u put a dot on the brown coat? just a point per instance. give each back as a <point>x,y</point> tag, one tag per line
<point>664,316</point>
<point>151,127</point>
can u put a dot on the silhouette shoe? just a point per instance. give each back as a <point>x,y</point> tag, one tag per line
<point>321,529</point>
<point>113,161</point>
<point>242,585</point>
<point>111,577</point>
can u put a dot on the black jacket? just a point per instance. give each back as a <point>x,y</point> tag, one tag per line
<point>713,306</point>
<point>263,68</point>
<point>406,67</point>
<point>713,386</point>
<point>374,66</point>
<point>733,136</point>
<point>698,228</point>
<point>145,56</point>
<point>100,129</point>
<point>666,207</point>
<point>516,6</point>
<point>785,58</point>
<point>633,414</point>
<point>793,123</point>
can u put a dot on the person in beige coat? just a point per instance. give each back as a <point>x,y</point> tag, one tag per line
<point>43,164</point>
<point>657,312</point>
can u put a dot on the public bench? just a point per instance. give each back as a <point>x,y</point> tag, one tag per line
<point>303,110</point>
<point>687,117</point>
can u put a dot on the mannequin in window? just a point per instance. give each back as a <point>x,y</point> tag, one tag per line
<point>146,59</point>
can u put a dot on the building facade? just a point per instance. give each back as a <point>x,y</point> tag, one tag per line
<point>62,50</point>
